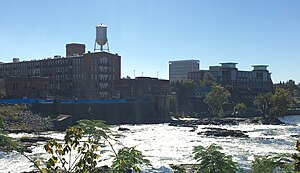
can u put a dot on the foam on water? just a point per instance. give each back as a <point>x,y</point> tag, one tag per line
<point>163,144</point>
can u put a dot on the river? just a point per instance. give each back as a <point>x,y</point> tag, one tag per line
<point>163,144</point>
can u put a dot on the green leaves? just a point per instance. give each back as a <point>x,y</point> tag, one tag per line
<point>211,160</point>
<point>86,153</point>
<point>83,141</point>
<point>270,164</point>
<point>216,99</point>
<point>183,90</point>
<point>274,105</point>
<point>128,158</point>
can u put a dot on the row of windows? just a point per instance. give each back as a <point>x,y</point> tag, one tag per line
<point>102,77</point>
<point>42,63</point>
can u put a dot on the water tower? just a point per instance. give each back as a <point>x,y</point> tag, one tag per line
<point>101,38</point>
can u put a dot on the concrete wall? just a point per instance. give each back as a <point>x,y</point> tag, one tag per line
<point>152,111</point>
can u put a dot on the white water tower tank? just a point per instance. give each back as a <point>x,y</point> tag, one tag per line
<point>101,34</point>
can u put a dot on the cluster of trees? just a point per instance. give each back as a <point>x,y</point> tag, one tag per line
<point>276,104</point>
<point>291,87</point>
<point>272,105</point>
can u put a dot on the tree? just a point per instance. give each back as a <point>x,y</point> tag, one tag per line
<point>211,160</point>
<point>86,157</point>
<point>290,86</point>
<point>216,99</point>
<point>239,108</point>
<point>271,164</point>
<point>87,151</point>
<point>274,105</point>
<point>183,89</point>
<point>7,144</point>
<point>263,102</point>
<point>128,159</point>
<point>178,169</point>
<point>282,100</point>
<point>208,80</point>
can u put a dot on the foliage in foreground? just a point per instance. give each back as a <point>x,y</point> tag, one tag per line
<point>211,160</point>
<point>80,150</point>
<point>272,164</point>
<point>129,159</point>
<point>86,157</point>
<point>83,141</point>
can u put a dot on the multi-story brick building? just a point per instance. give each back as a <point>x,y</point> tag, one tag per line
<point>139,87</point>
<point>31,87</point>
<point>80,75</point>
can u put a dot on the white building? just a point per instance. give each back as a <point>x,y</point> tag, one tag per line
<point>178,70</point>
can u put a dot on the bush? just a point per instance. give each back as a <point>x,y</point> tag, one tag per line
<point>211,160</point>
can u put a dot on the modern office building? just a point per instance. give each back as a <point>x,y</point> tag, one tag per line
<point>79,74</point>
<point>178,70</point>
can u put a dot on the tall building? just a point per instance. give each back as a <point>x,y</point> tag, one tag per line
<point>178,70</point>
<point>80,74</point>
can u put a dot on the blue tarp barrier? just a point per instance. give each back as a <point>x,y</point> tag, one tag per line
<point>30,101</point>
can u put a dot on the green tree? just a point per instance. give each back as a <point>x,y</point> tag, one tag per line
<point>282,100</point>
<point>211,160</point>
<point>178,169</point>
<point>290,86</point>
<point>263,102</point>
<point>184,90</point>
<point>272,164</point>
<point>239,108</point>
<point>129,159</point>
<point>216,99</point>
<point>86,157</point>
<point>208,80</point>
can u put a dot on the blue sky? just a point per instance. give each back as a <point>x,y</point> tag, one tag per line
<point>149,33</point>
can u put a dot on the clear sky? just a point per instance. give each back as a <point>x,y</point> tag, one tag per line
<point>149,33</point>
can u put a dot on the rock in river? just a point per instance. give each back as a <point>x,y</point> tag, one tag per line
<point>219,132</point>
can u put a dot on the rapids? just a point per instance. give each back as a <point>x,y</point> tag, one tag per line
<point>163,144</point>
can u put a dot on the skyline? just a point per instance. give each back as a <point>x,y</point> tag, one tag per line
<point>149,34</point>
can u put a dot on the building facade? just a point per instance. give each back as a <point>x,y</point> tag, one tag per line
<point>139,87</point>
<point>178,70</point>
<point>29,87</point>
<point>82,76</point>
<point>243,83</point>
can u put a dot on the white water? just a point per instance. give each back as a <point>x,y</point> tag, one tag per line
<point>163,144</point>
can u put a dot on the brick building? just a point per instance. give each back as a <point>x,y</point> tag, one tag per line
<point>140,87</point>
<point>30,87</point>
<point>80,75</point>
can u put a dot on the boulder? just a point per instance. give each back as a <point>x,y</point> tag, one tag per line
<point>219,132</point>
